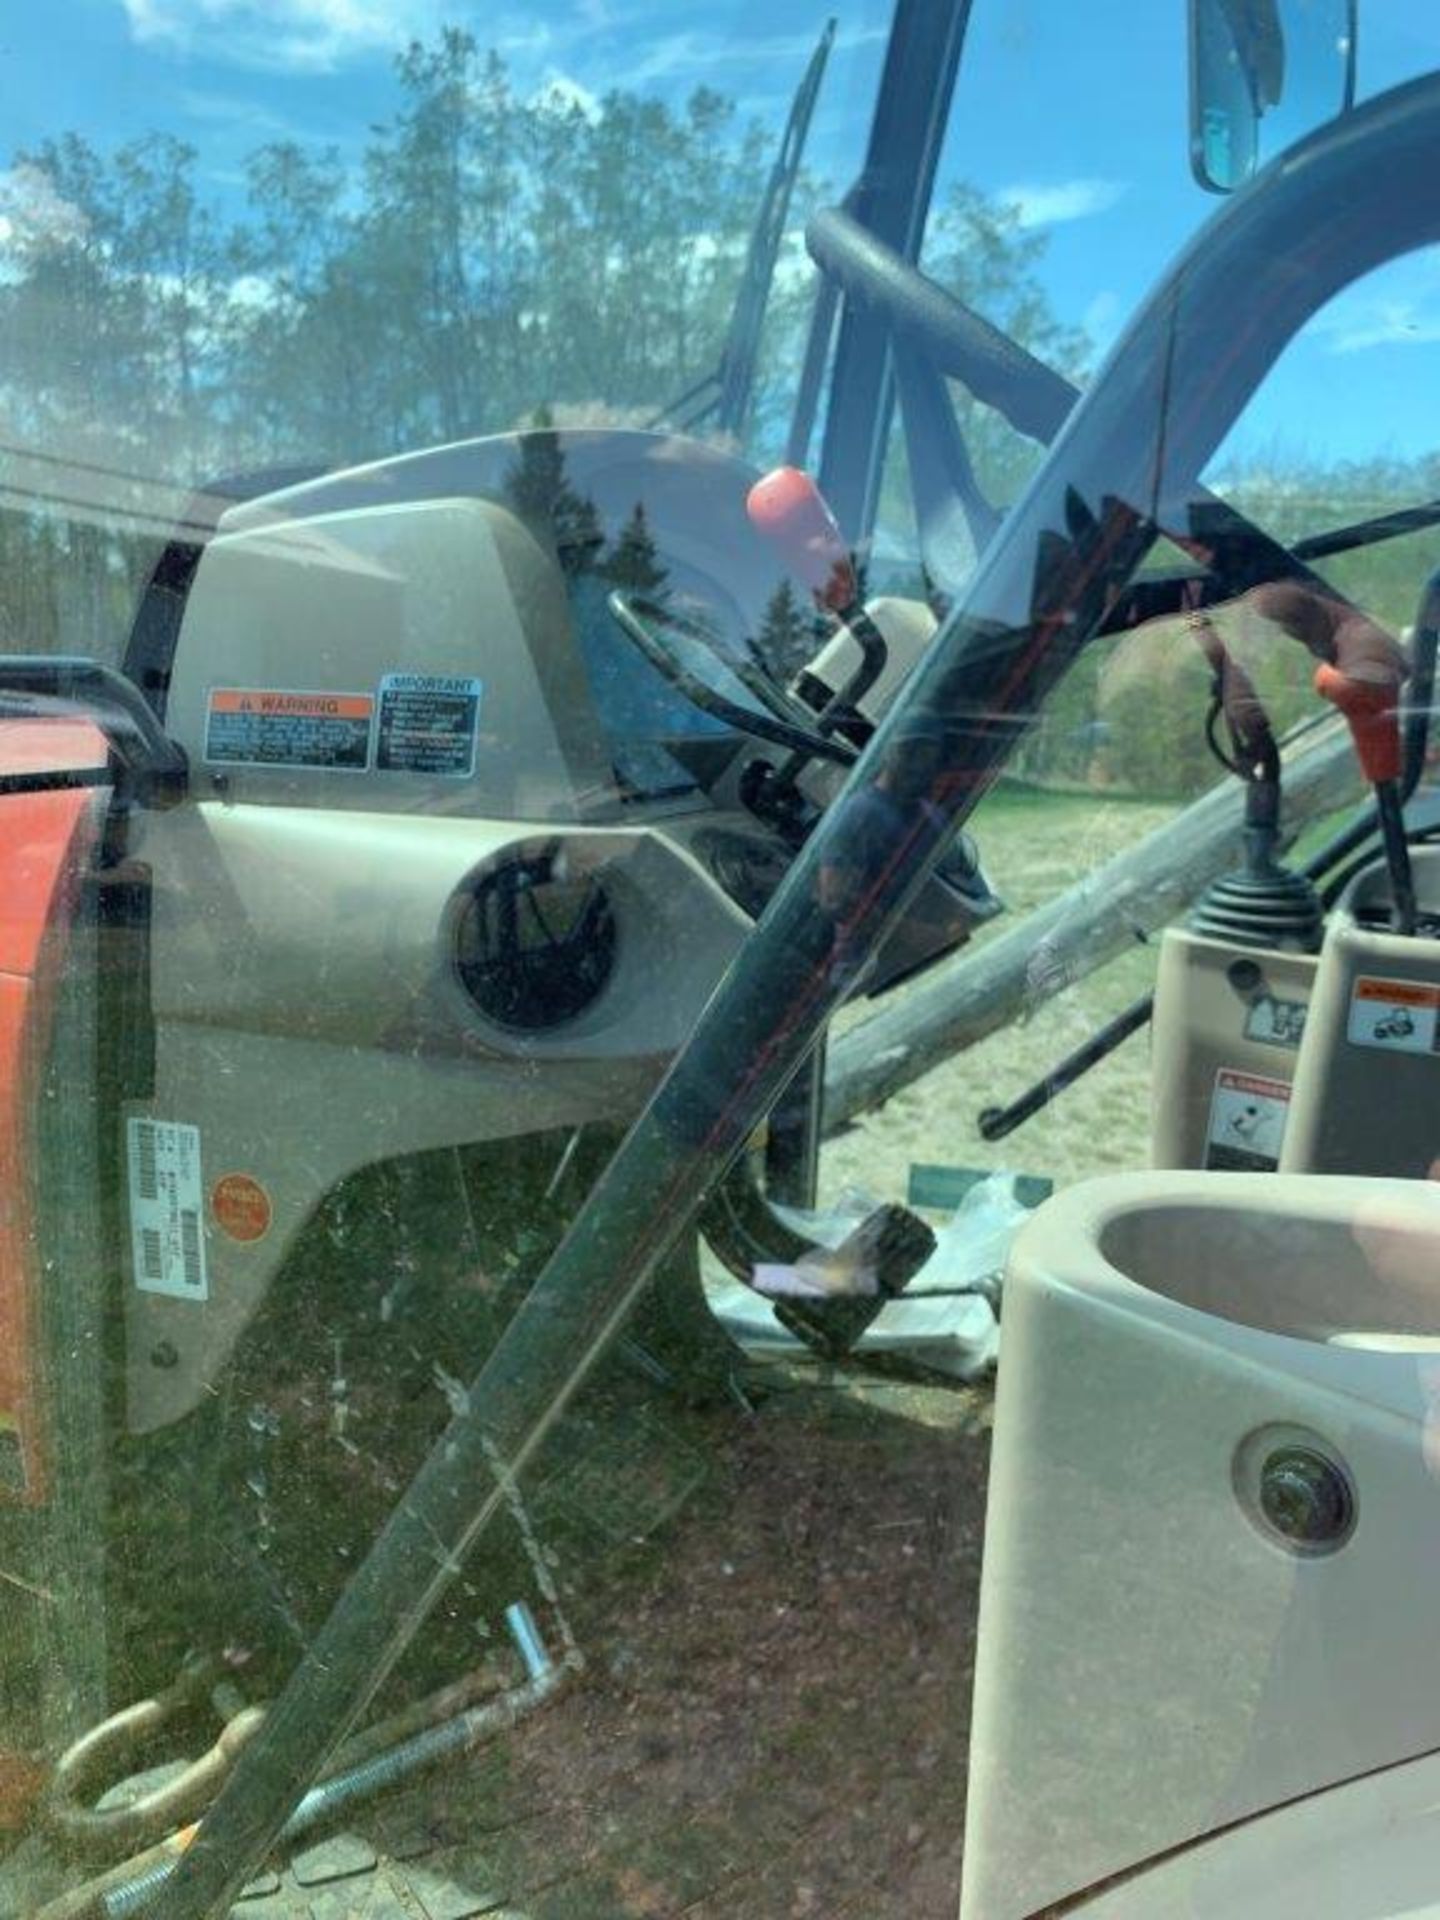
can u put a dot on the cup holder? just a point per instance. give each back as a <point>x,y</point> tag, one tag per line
<point>1362,1271</point>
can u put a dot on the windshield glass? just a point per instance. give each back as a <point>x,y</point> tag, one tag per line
<point>717,918</point>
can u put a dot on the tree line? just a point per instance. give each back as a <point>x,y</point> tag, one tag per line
<point>491,253</point>
<point>493,260</point>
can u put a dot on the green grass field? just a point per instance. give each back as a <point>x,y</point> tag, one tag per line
<point>1034,845</point>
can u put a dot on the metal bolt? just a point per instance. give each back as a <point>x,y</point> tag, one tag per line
<point>1306,1498</point>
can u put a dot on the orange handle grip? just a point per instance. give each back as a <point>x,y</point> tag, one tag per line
<point>1371,709</point>
<point>789,509</point>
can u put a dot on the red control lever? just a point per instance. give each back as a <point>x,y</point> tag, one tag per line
<point>1361,668</point>
<point>1361,671</point>
<point>789,509</point>
<point>1371,709</point>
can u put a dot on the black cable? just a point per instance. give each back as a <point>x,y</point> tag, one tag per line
<point>1216,709</point>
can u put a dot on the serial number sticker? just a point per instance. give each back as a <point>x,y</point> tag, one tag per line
<point>277,727</point>
<point>1275,1023</point>
<point>166,1197</point>
<point>428,724</point>
<point>1394,1016</point>
<point>1247,1122</point>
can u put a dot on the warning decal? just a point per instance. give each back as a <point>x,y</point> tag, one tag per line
<point>167,1244</point>
<point>1394,1016</point>
<point>274,727</point>
<point>1247,1122</point>
<point>241,1207</point>
<point>428,723</point>
<point>1276,1023</point>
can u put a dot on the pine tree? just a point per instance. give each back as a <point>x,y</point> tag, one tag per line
<point>539,490</point>
<point>578,533</point>
<point>634,562</point>
<point>784,642</point>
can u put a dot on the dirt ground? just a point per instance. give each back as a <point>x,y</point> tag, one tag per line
<point>775,1719</point>
<point>775,1716</point>
<point>772,1720</point>
<point>1034,845</point>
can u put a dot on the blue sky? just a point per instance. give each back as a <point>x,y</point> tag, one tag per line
<point>1074,112</point>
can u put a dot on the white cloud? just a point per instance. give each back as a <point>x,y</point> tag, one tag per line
<point>317,36</point>
<point>33,213</point>
<point>293,36</point>
<point>1383,323</point>
<point>1046,205</point>
<point>252,118</point>
<point>1102,320</point>
<point>676,54</point>
<point>561,90</point>
<point>1396,306</point>
<point>526,41</point>
<point>252,292</point>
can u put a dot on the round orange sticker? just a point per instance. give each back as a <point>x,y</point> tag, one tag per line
<point>241,1207</point>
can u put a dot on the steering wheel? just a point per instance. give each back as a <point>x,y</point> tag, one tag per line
<point>953,337</point>
<point>936,336</point>
<point>646,624</point>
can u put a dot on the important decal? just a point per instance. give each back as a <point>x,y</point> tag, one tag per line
<point>166,1236</point>
<point>1247,1122</point>
<point>275,727</point>
<point>428,724</point>
<point>1394,1016</point>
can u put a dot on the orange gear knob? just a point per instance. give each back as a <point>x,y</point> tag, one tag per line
<point>1371,709</point>
<point>790,510</point>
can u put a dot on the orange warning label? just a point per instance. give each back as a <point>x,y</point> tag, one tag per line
<point>1394,1016</point>
<point>241,1207</point>
<point>286,727</point>
<point>327,706</point>
<point>1248,1112</point>
<point>1398,993</point>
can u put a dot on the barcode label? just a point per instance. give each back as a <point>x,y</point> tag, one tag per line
<point>147,1174</point>
<point>190,1249</point>
<point>166,1198</point>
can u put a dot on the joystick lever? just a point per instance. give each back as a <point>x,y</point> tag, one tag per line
<point>1360,672</point>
